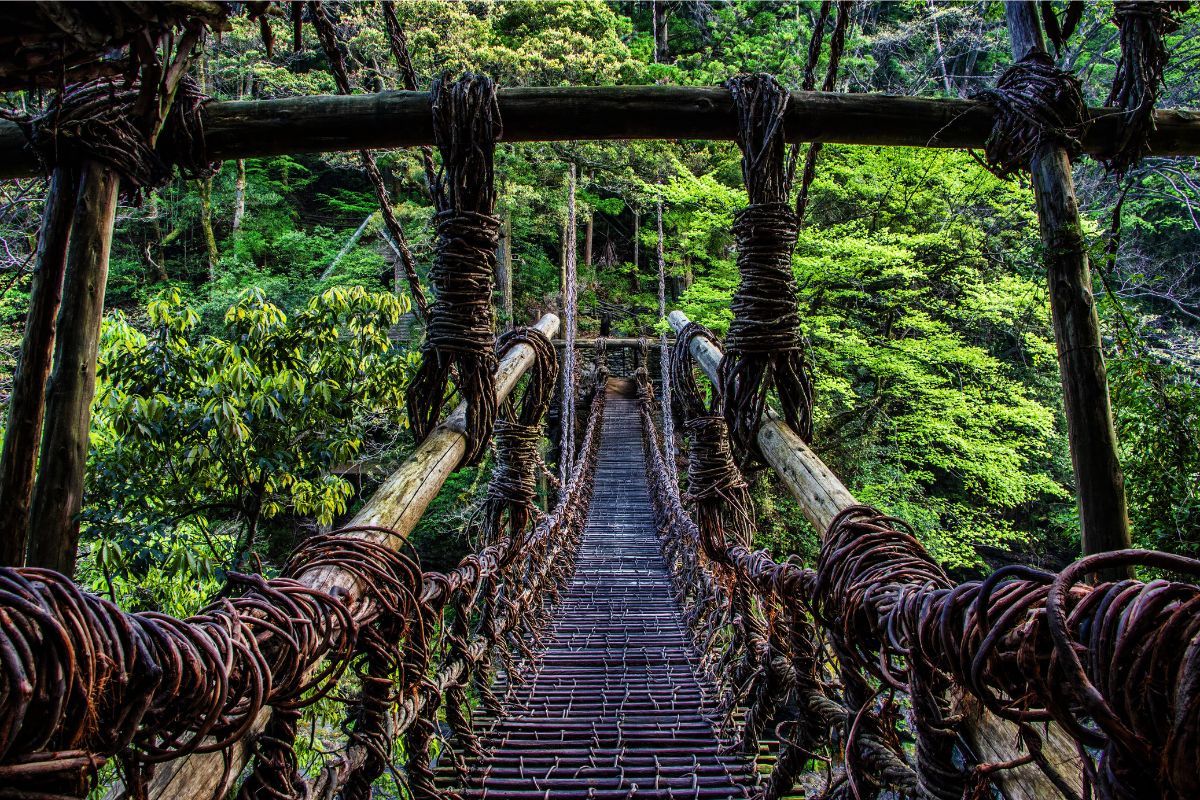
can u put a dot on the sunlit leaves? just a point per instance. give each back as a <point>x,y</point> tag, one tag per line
<point>245,425</point>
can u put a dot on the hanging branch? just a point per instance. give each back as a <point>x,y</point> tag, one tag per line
<point>399,46</point>
<point>466,125</point>
<point>326,33</point>
<point>837,44</point>
<point>765,348</point>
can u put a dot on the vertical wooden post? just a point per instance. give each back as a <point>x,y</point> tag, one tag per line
<point>26,405</point>
<point>58,493</point>
<point>1099,482</point>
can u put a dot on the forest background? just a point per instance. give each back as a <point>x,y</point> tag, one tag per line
<point>251,379</point>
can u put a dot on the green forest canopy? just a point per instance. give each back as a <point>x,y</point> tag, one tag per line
<point>246,360</point>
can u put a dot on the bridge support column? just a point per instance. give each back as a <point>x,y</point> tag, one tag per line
<point>1099,482</point>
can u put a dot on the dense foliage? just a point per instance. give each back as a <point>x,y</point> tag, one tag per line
<point>255,369</point>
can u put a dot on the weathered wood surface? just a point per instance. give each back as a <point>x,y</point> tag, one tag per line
<point>248,129</point>
<point>58,492</point>
<point>1099,481</point>
<point>23,433</point>
<point>397,504</point>
<point>821,496</point>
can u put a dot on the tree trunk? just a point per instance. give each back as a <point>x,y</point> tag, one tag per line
<point>633,273</point>
<point>27,403</point>
<point>1099,482</point>
<point>152,260</point>
<point>589,228</point>
<point>323,124</point>
<point>212,255</point>
<point>941,54</point>
<point>654,26</point>
<point>239,195</point>
<point>58,493</point>
<point>504,270</point>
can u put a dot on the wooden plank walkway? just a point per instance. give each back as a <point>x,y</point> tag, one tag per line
<point>613,708</point>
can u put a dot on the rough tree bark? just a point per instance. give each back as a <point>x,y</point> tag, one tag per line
<point>1099,481</point>
<point>239,194</point>
<point>211,253</point>
<point>256,128</point>
<point>27,402</point>
<point>633,273</point>
<point>58,492</point>
<point>504,272</point>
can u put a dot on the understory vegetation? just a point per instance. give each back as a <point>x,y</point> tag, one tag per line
<point>255,351</point>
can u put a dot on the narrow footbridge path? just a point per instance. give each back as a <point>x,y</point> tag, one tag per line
<point>613,707</point>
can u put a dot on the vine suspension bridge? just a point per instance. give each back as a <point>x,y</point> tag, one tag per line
<point>627,641</point>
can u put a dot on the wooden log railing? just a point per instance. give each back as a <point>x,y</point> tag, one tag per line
<point>397,505</point>
<point>249,129</point>
<point>822,496</point>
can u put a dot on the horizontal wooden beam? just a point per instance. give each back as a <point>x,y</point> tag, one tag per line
<point>249,129</point>
<point>821,496</point>
<point>396,505</point>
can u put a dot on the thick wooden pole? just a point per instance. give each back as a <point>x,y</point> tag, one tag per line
<point>1099,482</point>
<point>821,497</point>
<point>253,128</point>
<point>26,405</point>
<point>396,505</point>
<point>58,492</point>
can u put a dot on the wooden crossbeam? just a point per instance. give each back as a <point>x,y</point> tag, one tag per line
<point>248,129</point>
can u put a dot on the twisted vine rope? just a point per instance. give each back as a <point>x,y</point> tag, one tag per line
<point>81,681</point>
<point>99,120</point>
<point>765,348</point>
<point>1033,104</point>
<point>837,44</point>
<point>466,125</point>
<point>1136,86</point>
<point>1112,664</point>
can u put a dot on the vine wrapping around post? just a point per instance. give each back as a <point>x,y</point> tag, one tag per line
<point>764,346</point>
<point>461,337</point>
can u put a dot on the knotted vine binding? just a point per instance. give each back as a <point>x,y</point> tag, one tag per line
<point>97,120</point>
<point>764,348</point>
<point>466,125</point>
<point>1139,77</point>
<point>509,504</point>
<point>1033,103</point>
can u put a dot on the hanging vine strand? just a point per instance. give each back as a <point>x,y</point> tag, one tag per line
<point>327,35</point>
<point>1139,77</point>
